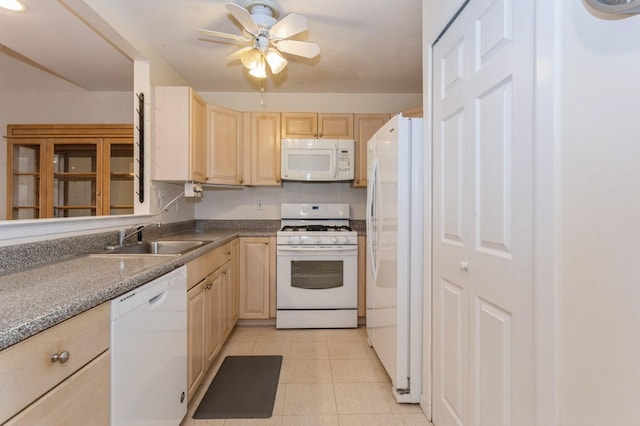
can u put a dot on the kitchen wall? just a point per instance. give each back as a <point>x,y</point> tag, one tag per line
<point>599,215</point>
<point>243,203</point>
<point>29,95</point>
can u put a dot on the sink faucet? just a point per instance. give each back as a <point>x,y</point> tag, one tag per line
<point>124,235</point>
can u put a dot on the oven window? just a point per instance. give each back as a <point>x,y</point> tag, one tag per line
<point>316,274</point>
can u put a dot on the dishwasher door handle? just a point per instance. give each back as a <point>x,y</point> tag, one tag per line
<point>158,299</point>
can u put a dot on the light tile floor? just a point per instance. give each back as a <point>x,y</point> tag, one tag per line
<point>328,377</point>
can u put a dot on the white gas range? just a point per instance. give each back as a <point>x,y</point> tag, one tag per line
<point>317,267</point>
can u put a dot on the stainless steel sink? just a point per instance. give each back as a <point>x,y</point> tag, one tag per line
<point>154,248</point>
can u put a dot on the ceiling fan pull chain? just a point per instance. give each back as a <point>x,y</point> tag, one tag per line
<point>262,93</point>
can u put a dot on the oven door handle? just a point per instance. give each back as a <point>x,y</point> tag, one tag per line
<point>319,249</point>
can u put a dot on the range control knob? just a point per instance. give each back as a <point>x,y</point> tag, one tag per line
<point>317,240</point>
<point>335,239</point>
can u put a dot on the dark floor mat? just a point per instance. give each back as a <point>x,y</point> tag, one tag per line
<point>244,388</point>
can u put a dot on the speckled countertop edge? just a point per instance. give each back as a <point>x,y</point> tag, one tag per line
<point>35,299</point>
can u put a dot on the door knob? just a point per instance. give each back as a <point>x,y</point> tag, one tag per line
<point>464,265</point>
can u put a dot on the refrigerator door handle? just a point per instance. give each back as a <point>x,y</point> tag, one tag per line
<point>371,206</point>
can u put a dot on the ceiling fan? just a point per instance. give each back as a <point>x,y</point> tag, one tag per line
<point>266,36</point>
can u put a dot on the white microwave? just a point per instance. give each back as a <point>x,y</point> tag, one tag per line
<point>320,160</point>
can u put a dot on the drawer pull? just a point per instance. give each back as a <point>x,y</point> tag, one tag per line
<point>61,358</point>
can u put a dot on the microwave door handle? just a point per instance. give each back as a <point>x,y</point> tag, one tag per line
<point>336,162</point>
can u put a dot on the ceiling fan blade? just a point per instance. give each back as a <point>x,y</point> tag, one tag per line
<point>243,16</point>
<point>224,35</point>
<point>299,48</point>
<point>238,53</point>
<point>288,26</point>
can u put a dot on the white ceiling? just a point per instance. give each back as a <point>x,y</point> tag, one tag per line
<point>366,46</point>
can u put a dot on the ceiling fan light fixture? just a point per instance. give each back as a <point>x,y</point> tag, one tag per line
<point>275,60</point>
<point>260,71</point>
<point>267,37</point>
<point>14,5</point>
<point>251,59</point>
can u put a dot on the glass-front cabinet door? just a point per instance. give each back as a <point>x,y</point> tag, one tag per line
<point>76,169</point>
<point>25,189</point>
<point>118,176</point>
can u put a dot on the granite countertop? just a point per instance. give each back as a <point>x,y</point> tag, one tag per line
<point>36,298</point>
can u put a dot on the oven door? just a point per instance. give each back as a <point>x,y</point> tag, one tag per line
<point>317,277</point>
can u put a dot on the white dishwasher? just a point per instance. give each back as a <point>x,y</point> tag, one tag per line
<point>149,353</point>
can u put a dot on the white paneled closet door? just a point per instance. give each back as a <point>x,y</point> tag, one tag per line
<point>482,217</point>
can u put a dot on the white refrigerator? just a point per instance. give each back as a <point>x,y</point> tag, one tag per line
<point>395,198</point>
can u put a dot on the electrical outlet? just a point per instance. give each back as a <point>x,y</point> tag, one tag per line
<point>259,205</point>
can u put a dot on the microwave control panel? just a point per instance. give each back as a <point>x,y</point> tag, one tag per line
<point>345,159</point>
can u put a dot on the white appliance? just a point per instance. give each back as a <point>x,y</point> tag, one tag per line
<point>317,159</point>
<point>395,252</point>
<point>149,353</point>
<point>317,267</point>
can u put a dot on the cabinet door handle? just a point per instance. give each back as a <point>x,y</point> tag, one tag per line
<point>60,357</point>
<point>320,135</point>
<point>227,253</point>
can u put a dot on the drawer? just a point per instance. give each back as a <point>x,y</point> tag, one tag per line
<point>82,399</point>
<point>199,268</point>
<point>26,369</point>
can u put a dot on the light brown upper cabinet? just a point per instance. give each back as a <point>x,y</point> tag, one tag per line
<point>69,170</point>
<point>304,125</point>
<point>262,161</point>
<point>224,146</point>
<point>180,152</point>
<point>366,125</point>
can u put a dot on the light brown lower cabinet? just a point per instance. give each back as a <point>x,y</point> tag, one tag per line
<point>82,399</point>
<point>255,277</point>
<point>73,389</point>
<point>235,280</point>
<point>226,280</point>
<point>196,361</point>
<point>210,308</point>
<point>213,314</point>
